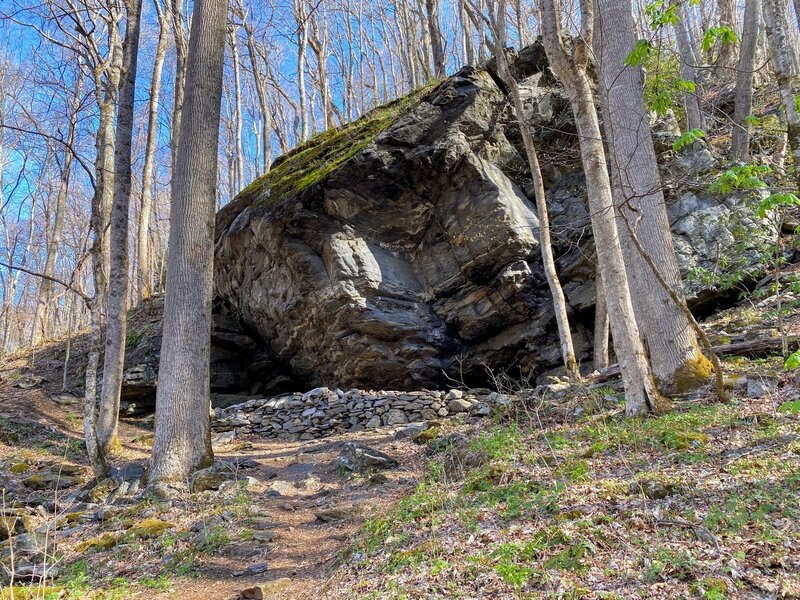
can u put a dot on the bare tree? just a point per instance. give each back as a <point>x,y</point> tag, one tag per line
<point>571,67</point>
<point>688,63</point>
<point>45,296</point>
<point>740,142</point>
<point>437,42</point>
<point>180,35</point>
<point>183,437</point>
<point>144,264</point>
<point>775,26</point>
<point>675,356</point>
<point>117,302</point>
<point>496,21</point>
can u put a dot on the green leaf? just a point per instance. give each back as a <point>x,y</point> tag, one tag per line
<point>743,177</point>
<point>690,137</point>
<point>793,361</point>
<point>685,86</point>
<point>638,54</point>
<point>661,13</point>
<point>792,406</point>
<point>775,201</point>
<point>662,103</point>
<point>723,33</point>
<point>752,120</point>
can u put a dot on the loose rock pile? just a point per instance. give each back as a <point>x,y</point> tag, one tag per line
<point>323,411</point>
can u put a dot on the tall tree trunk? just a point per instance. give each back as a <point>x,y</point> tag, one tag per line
<point>600,353</point>
<point>775,27</point>
<point>302,43</point>
<point>675,356</point>
<point>469,46</point>
<point>237,113</point>
<point>144,262</point>
<point>497,19</point>
<point>726,53</point>
<point>183,436</point>
<point>740,142</point>
<point>45,295</point>
<point>106,93</point>
<point>117,302</point>
<point>688,60</point>
<point>641,394</point>
<point>437,43</point>
<point>266,119</point>
<point>179,33</point>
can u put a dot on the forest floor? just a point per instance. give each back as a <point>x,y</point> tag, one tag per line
<point>559,496</point>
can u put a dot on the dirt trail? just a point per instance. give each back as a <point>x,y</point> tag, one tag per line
<point>293,483</point>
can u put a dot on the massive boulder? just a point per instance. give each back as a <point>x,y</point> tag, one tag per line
<point>403,249</point>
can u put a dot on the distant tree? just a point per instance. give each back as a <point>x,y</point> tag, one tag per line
<point>776,26</point>
<point>144,259</point>
<point>740,142</point>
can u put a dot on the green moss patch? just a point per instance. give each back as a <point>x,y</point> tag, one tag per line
<point>315,159</point>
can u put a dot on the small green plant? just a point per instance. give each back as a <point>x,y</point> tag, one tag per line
<point>690,137</point>
<point>162,583</point>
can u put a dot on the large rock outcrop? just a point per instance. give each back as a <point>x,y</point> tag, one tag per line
<point>403,249</point>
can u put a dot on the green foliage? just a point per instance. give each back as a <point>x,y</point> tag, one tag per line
<point>639,53</point>
<point>776,201</point>
<point>668,562</point>
<point>792,361</point>
<point>662,12</point>
<point>688,138</point>
<point>723,33</point>
<point>740,177</point>
<point>663,84</point>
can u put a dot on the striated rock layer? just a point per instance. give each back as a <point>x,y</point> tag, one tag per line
<point>403,249</point>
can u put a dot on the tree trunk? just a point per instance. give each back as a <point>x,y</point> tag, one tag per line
<point>183,436</point>
<point>144,262</point>
<point>437,44</point>
<point>726,53</point>
<point>237,114</point>
<point>677,362</point>
<point>45,295</point>
<point>106,94</point>
<point>498,25</point>
<point>641,394</point>
<point>179,33</point>
<point>775,27</point>
<point>117,297</point>
<point>740,142</point>
<point>688,60</point>
<point>302,43</point>
<point>600,353</point>
<point>266,121</point>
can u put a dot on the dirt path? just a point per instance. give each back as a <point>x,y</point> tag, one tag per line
<point>292,484</point>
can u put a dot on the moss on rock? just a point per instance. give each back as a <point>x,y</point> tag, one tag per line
<point>150,528</point>
<point>105,541</point>
<point>315,159</point>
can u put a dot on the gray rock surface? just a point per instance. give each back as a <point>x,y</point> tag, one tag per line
<point>419,255</point>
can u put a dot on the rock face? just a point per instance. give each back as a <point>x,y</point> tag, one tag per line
<point>411,250</point>
<point>239,362</point>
